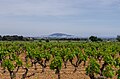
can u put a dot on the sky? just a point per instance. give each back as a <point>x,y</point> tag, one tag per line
<point>44,17</point>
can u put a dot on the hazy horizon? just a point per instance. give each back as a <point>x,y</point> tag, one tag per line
<point>43,17</point>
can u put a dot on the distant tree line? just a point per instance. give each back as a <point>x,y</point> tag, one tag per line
<point>96,39</point>
<point>91,38</point>
<point>14,38</point>
<point>21,38</point>
<point>68,39</point>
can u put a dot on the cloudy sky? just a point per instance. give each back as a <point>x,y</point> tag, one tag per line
<point>43,17</point>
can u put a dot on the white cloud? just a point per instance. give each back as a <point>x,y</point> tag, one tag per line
<point>42,7</point>
<point>51,7</point>
<point>46,16</point>
<point>110,2</point>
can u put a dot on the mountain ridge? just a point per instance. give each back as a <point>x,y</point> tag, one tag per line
<point>60,34</point>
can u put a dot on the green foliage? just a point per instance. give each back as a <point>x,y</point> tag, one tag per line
<point>108,72</point>
<point>118,73</point>
<point>117,62</point>
<point>2,55</point>
<point>19,62</point>
<point>93,67</point>
<point>47,55</point>
<point>8,64</point>
<point>70,56</point>
<point>56,63</point>
<point>109,59</point>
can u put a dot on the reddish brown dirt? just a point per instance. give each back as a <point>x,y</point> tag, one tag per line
<point>50,74</point>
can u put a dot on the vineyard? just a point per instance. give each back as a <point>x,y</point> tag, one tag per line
<point>59,60</point>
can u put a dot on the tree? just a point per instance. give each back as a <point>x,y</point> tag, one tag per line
<point>47,40</point>
<point>0,37</point>
<point>99,39</point>
<point>12,38</point>
<point>93,38</point>
<point>118,38</point>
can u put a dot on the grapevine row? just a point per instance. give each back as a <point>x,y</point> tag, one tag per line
<point>101,59</point>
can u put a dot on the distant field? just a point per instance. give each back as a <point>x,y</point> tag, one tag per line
<point>59,60</point>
